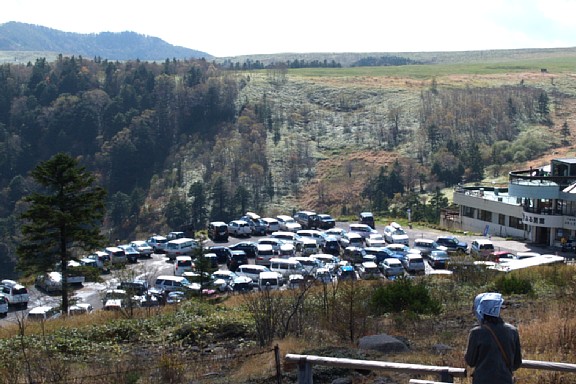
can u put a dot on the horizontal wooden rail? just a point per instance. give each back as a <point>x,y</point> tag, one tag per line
<point>548,365</point>
<point>305,363</point>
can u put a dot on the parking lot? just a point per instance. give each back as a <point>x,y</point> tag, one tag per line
<point>158,264</point>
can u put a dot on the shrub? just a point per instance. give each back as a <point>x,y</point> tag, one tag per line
<point>402,295</point>
<point>510,284</point>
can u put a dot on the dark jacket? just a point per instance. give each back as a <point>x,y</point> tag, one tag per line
<point>485,356</point>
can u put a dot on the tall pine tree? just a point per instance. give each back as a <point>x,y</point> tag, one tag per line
<point>66,212</point>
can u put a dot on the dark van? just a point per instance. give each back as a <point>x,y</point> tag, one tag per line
<point>367,218</point>
<point>218,231</point>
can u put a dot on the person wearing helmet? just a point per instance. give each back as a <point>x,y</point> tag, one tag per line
<point>493,345</point>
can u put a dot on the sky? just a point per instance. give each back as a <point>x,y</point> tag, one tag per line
<point>225,28</point>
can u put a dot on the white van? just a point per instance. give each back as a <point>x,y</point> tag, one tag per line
<point>268,280</point>
<point>252,271</point>
<point>172,283</point>
<point>183,264</point>
<point>286,267</point>
<point>264,252</point>
<point>310,264</point>
<point>116,254</point>
<point>309,246</point>
<point>287,250</point>
<point>180,247</point>
<point>43,313</point>
<point>16,294</point>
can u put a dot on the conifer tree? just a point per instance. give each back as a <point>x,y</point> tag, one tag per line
<point>64,213</point>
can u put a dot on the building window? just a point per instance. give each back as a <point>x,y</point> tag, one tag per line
<point>501,219</point>
<point>469,212</point>
<point>516,222</point>
<point>485,215</point>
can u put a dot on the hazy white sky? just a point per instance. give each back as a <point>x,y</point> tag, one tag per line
<point>237,27</point>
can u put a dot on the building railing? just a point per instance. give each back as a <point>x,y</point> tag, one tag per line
<point>537,176</point>
<point>447,374</point>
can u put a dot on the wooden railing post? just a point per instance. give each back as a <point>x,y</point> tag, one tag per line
<point>304,371</point>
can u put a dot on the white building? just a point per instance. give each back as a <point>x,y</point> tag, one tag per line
<point>539,205</point>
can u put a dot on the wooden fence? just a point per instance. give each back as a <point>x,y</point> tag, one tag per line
<point>446,374</point>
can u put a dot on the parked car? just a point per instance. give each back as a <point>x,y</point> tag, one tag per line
<point>288,223</point>
<point>414,263</point>
<point>287,267</point>
<point>353,254</point>
<point>288,237</point>
<point>392,267</point>
<point>369,270</point>
<point>352,239</point>
<point>269,281</point>
<point>438,259</point>
<point>218,231</point>
<point>296,281</point>
<point>398,248</point>
<point>375,240</point>
<point>74,273</point>
<point>452,244</point>
<point>481,248</point>
<point>114,300</point>
<point>49,282</point>
<point>306,219</point>
<point>117,255</point>
<point>43,313</point>
<point>395,234</point>
<point>175,235</point>
<point>264,253</point>
<point>252,271</point>
<point>143,248</point>
<point>367,218</point>
<point>310,264</point>
<point>181,246</point>
<point>324,221</point>
<point>97,259</point>
<point>363,230</point>
<point>346,272</point>
<point>309,246</point>
<point>3,306</point>
<point>80,309</point>
<point>315,234</point>
<point>330,261</point>
<point>242,284</point>
<point>324,275</point>
<point>131,253</point>
<point>158,243</point>
<point>258,227</point>
<point>135,287</point>
<point>222,253</point>
<point>425,246</point>
<point>331,246</point>
<point>239,228</point>
<point>236,259</point>
<point>169,283</point>
<point>335,232</point>
<point>272,224</point>
<point>222,279</point>
<point>183,263</point>
<point>249,247</point>
<point>273,242</point>
<point>382,253</point>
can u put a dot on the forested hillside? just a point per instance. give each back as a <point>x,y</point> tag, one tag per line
<point>183,142</point>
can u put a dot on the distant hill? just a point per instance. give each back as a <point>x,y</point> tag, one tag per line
<point>18,37</point>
